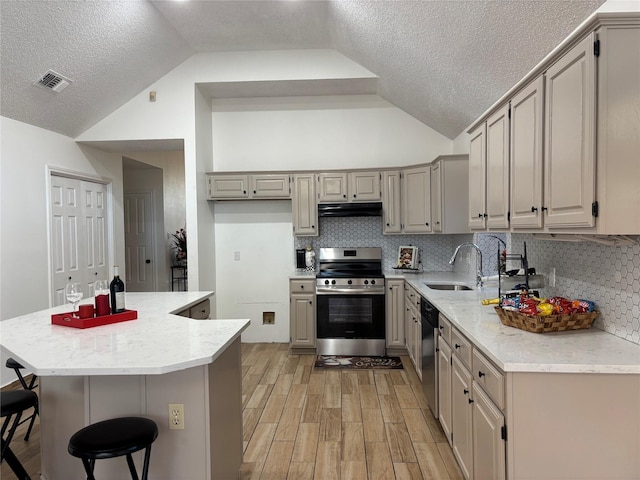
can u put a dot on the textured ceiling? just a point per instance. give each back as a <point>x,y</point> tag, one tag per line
<point>444,62</point>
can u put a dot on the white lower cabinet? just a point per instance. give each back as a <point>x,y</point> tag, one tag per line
<point>395,320</point>
<point>469,389</point>
<point>444,386</point>
<point>302,315</point>
<point>461,417</point>
<point>488,432</point>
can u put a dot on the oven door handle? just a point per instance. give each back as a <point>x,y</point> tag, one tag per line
<point>349,291</point>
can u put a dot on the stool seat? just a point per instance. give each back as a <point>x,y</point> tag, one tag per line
<point>17,401</point>
<point>11,363</point>
<point>113,438</point>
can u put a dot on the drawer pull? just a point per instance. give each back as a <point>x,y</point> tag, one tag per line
<point>441,328</point>
<point>470,401</point>
<point>480,374</point>
<point>457,346</point>
<point>466,391</point>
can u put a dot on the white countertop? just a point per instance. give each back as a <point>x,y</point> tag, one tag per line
<point>514,350</point>
<point>156,342</point>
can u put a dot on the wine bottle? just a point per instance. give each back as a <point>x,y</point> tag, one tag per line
<point>116,289</point>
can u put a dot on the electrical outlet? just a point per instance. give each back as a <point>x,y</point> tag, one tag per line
<point>236,256</point>
<point>176,416</point>
<point>552,277</point>
<point>268,318</point>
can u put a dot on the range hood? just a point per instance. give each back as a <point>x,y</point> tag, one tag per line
<point>354,209</point>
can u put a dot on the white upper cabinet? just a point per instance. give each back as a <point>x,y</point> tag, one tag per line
<point>391,202</point>
<point>228,186</point>
<point>332,187</point>
<point>526,156</point>
<point>270,186</point>
<point>497,175</point>
<point>477,178</point>
<point>305,207</point>
<point>416,200</point>
<point>364,186</point>
<point>569,160</point>
<point>223,186</point>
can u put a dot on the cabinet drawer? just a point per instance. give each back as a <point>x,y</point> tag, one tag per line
<point>201,310</point>
<point>445,328</point>
<point>411,297</point>
<point>491,379</point>
<point>461,347</point>
<point>302,286</point>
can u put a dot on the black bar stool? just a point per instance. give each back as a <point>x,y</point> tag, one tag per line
<point>114,438</point>
<point>15,366</point>
<point>13,403</point>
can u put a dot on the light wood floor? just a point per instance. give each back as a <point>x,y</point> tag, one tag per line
<point>301,423</point>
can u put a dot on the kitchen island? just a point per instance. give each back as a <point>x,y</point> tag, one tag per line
<point>571,400</point>
<point>138,367</point>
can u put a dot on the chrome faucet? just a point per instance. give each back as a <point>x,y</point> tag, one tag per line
<point>478,262</point>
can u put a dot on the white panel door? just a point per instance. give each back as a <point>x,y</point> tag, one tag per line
<point>78,235</point>
<point>139,255</point>
<point>94,218</point>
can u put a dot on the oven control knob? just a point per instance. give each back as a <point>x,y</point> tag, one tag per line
<point>373,282</point>
<point>366,282</point>
<point>333,282</point>
<point>349,282</point>
<point>326,282</point>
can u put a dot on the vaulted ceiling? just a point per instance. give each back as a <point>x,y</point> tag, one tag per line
<point>443,62</point>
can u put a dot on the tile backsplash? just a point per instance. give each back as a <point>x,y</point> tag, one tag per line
<point>607,275</point>
<point>434,250</point>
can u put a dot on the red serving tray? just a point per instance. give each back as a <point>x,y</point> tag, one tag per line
<point>68,320</point>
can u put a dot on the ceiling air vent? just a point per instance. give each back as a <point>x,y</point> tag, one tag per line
<point>53,81</point>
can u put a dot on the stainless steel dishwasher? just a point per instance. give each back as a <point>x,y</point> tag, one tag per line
<point>429,315</point>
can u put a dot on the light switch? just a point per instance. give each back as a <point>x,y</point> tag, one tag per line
<point>236,256</point>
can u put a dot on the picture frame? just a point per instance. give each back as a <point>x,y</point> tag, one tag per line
<point>407,257</point>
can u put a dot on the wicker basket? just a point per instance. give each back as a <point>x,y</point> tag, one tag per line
<point>550,323</point>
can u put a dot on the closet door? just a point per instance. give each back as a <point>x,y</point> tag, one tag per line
<point>78,235</point>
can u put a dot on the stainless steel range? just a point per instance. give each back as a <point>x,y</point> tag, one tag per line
<point>350,291</point>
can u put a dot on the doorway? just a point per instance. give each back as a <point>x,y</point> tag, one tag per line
<point>144,236</point>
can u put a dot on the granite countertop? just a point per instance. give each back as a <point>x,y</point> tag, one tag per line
<point>513,350</point>
<point>157,342</point>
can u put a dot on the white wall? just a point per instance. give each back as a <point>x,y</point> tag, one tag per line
<point>321,132</point>
<point>460,144</point>
<point>25,154</point>
<point>260,231</point>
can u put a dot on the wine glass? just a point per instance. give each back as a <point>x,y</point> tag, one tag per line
<point>73,292</point>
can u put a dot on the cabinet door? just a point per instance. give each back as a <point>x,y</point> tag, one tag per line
<point>228,186</point>
<point>305,208</point>
<point>488,445</point>
<point>444,386</point>
<point>569,160</point>
<point>332,187</point>
<point>303,320</point>
<point>526,156</point>
<point>436,196</point>
<point>395,314</point>
<point>477,172</point>
<point>461,417</point>
<point>391,202</point>
<point>417,345</point>
<point>416,200</point>
<point>497,176</point>
<point>364,186</point>
<point>270,186</point>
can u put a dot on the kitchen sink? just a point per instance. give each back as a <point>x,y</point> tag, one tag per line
<point>447,286</point>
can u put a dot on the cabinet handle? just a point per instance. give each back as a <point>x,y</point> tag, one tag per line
<point>470,401</point>
<point>244,191</point>
<point>302,287</point>
<point>254,191</point>
<point>479,215</point>
<point>427,224</point>
<point>457,346</point>
<point>354,195</point>
<point>466,391</point>
<point>437,223</point>
<point>441,328</point>
<point>480,374</point>
<point>344,196</point>
<point>310,302</point>
<point>534,209</point>
<point>544,209</point>
<point>387,224</point>
<point>485,215</point>
<point>313,226</point>
<point>437,349</point>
